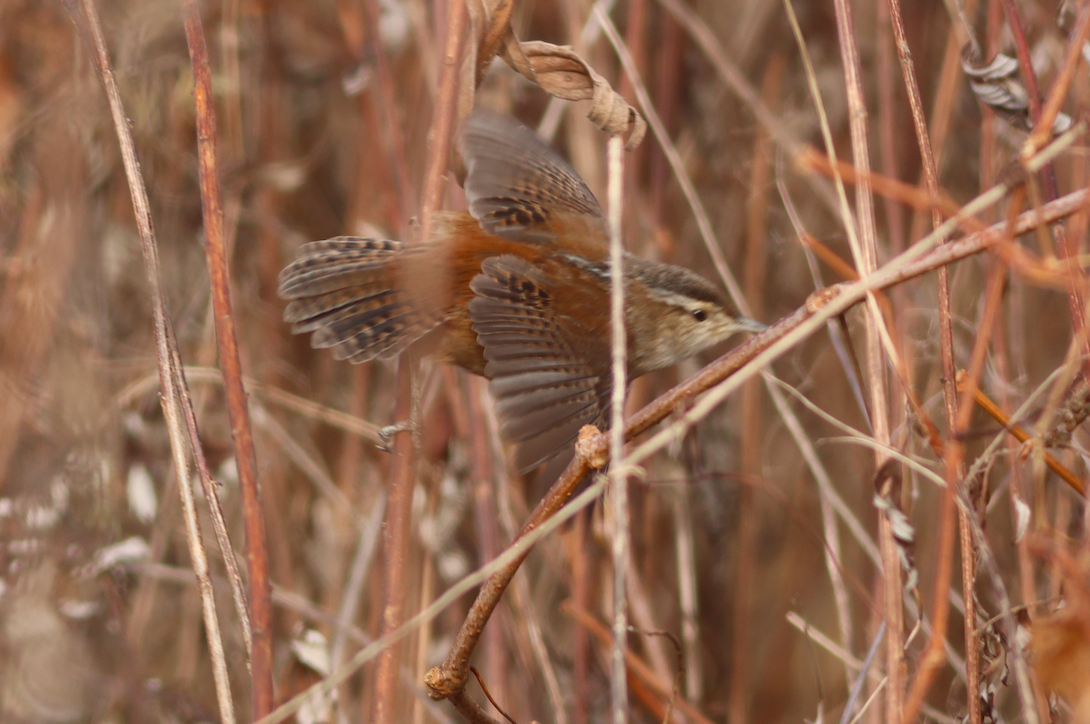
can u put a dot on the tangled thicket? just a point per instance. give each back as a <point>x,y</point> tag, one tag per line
<point>323,115</point>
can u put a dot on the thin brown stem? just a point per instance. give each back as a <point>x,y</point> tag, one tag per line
<point>753,281</point>
<point>257,562</point>
<point>173,398</point>
<point>867,262</point>
<point>1057,94</point>
<point>403,471</point>
<point>397,535</point>
<point>946,344</point>
<point>619,492</point>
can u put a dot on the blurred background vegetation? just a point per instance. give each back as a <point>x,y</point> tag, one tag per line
<point>100,616</point>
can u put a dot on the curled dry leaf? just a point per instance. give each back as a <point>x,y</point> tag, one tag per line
<point>1060,655</point>
<point>887,496</point>
<point>556,68</point>
<point>996,84</point>
<point>559,70</point>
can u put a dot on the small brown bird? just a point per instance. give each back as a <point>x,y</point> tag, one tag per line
<point>517,289</point>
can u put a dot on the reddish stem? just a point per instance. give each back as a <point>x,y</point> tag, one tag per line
<point>257,563</point>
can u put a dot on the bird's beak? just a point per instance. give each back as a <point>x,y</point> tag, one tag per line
<point>742,324</point>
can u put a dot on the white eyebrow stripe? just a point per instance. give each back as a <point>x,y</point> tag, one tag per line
<point>677,300</point>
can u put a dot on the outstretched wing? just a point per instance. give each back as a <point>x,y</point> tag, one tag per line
<point>547,373</point>
<point>517,187</point>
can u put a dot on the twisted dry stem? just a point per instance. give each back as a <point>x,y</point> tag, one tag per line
<point>592,450</point>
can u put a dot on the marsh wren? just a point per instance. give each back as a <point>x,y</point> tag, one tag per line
<point>517,289</point>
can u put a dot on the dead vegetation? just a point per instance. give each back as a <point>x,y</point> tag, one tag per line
<point>765,519</point>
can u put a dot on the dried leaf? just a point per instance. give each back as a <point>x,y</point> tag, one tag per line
<point>1022,517</point>
<point>887,487</point>
<point>996,84</point>
<point>557,69</point>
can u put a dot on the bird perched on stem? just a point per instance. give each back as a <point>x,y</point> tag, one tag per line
<point>517,289</point>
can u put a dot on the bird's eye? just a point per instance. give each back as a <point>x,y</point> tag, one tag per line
<point>699,315</point>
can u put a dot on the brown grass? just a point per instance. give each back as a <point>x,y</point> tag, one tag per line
<point>759,531</point>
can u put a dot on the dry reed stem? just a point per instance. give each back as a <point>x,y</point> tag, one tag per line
<point>946,339</point>
<point>619,490</point>
<point>174,397</point>
<point>684,180</point>
<point>637,667</point>
<point>230,362</point>
<point>688,603</point>
<point>391,126</point>
<point>752,431</point>
<point>219,523</point>
<point>358,571</point>
<point>580,594</point>
<point>713,248</point>
<point>830,499</point>
<point>951,80</point>
<point>1019,434</point>
<point>486,518</point>
<point>735,80</point>
<point>1029,266</point>
<point>523,605</point>
<point>828,303</point>
<point>403,470</point>
<point>470,709</point>
<point>346,422</point>
<point>1057,94</point>
<point>397,537</point>
<point>832,504</point>
<point>495,575</point>
<point>862,242</point>
<point>716,155</point>
<point>1076,293</point>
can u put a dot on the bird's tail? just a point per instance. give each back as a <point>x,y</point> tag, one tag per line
<point>350,293</point>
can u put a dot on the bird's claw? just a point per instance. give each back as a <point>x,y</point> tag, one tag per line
<point>386,434</point>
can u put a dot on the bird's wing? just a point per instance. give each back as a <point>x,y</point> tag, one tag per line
<point>520,189</point>
<point>547,370</point>
<point>345,291</point>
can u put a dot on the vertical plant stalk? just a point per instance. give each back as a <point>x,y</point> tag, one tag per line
<point>748,525</point>
<point>830,501</point>
<point>403,469</point>
<point>442,127</point>
<point>580,594</point>
<point>391,127</point>
<point>1068,248</point>
<point>171,378</point>
<point>215,510</point>
<point>397,534</point>
<point>619,489</point>
<point>1057,94</point>
<point>937,640</point>
<point>875,366</point>
<point>257,562</point>
<point>495,665</point>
